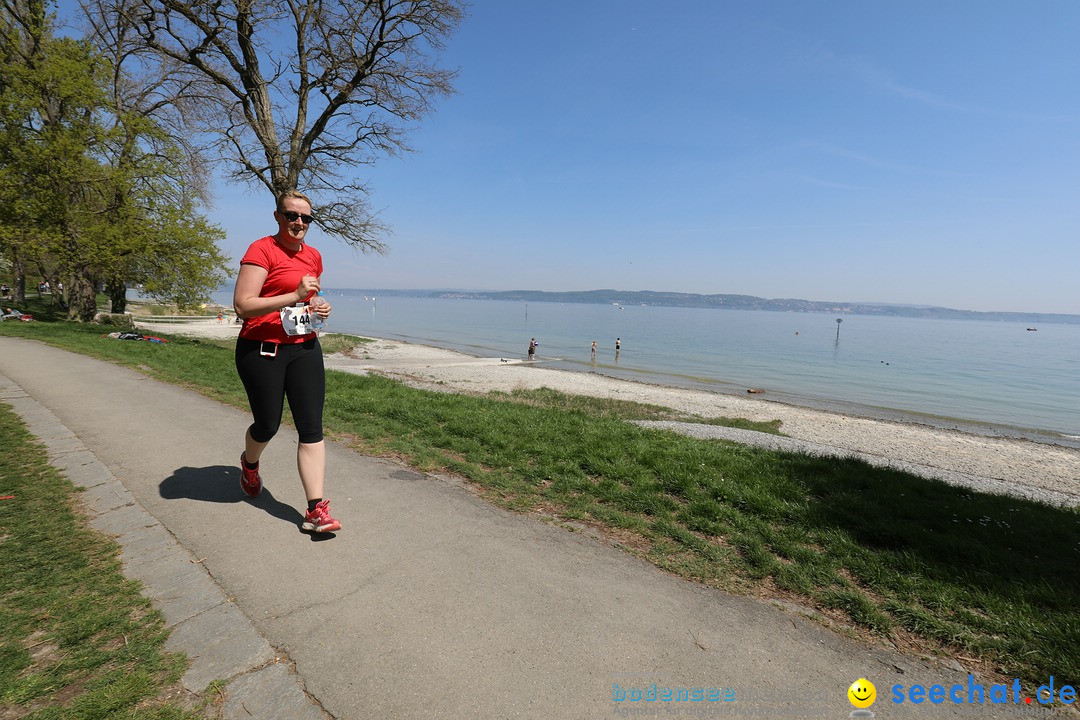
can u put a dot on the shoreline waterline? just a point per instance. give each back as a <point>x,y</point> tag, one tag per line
<point>663,379</point>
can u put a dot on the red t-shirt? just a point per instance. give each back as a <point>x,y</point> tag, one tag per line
<point>284,268</point>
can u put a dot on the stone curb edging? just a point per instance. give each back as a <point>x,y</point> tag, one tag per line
<point>220,642</point>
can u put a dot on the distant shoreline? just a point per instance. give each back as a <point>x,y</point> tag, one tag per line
<point>725,302</point>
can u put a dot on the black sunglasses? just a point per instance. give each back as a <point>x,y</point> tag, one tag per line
<point>292,215</point>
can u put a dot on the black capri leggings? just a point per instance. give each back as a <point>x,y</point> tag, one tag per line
<point>296,372</point>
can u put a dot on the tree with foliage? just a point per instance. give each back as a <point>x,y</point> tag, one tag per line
<point>48,110</point>
<point>102,193</point>
<point>163,243</point>
<point>296,93</point>
<point>149,211</point>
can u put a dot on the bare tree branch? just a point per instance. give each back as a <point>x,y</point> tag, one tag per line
<point>295,93</point>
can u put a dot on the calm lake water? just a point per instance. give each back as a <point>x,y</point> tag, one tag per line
<point>945,372</point>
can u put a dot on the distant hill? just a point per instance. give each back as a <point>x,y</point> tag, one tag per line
<point>730,302</point>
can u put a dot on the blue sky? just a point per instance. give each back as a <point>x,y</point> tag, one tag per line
<point>909,152</point>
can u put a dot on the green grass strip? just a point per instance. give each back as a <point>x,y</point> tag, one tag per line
<point>77,639</point>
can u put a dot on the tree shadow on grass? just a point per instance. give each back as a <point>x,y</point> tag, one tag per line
<point>221,484</point>
<point>1003,541</point>
<point>986,554</point>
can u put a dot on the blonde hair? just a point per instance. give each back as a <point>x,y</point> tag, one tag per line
<point>291,194</point>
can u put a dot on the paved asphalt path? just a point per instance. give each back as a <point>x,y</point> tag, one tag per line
<point>429,603</point>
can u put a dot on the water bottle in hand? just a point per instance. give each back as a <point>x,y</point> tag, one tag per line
<point>317,322</point>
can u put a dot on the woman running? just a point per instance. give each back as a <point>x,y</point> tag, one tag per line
<point>278,354</point>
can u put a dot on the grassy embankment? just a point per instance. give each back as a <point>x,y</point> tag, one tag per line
<point>986,578</point>
<point>77,640</point>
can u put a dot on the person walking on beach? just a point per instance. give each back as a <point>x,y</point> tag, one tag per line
<point>532,349</point>
<point>278,353</point>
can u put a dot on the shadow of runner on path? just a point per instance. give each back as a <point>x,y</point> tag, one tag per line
<point>221,484</point>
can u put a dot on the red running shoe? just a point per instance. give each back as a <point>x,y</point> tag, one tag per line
<point>250,482</point>
<point>319,520</point>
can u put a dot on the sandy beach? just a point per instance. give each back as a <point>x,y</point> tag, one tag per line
<point>996,464</point>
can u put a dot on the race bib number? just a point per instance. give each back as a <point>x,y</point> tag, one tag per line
<point>296,319</point>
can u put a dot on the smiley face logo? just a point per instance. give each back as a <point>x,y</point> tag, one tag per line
<point>862,693</point>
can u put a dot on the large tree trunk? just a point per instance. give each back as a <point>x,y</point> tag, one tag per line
<point>18,279</point>
<point>82,305</point>
<point>117,290</point>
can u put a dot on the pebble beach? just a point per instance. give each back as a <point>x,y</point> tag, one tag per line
<point>1004,465</point>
